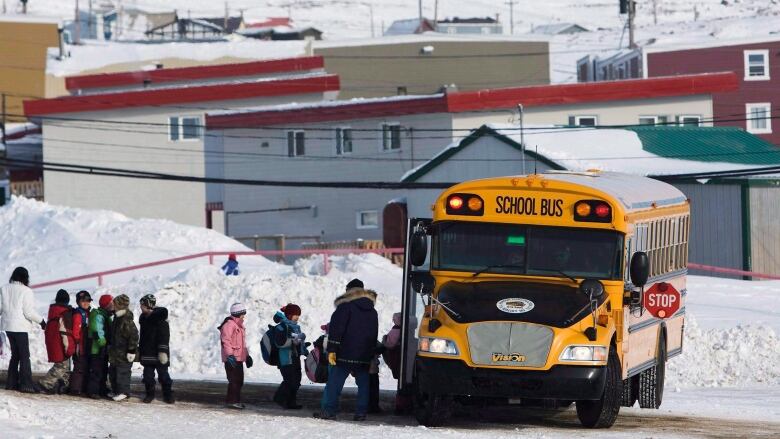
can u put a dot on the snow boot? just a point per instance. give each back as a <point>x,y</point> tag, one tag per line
<point>149,394</point>
<point>359,418</point>
<point>324,415</point>
<point>120,397</point>
<point>168,398</point>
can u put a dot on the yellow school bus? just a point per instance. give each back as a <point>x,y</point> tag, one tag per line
<point>537,294</point>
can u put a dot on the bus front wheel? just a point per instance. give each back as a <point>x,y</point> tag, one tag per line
<point>432,410</point>
<point>603,412</point>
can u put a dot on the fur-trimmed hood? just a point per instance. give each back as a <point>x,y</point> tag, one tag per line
<point>354,294</point>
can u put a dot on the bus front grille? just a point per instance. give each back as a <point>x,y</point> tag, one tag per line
<point>509,344</point>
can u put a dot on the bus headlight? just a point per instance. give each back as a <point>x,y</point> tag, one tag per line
<point>584,353</point>
<point>438,346</point>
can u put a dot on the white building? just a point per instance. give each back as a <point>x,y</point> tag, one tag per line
<point>151,121</point>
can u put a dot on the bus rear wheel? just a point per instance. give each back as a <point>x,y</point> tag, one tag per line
<point>432,410</point>
<point>603,412</point>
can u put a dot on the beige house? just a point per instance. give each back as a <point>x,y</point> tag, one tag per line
<point>424,64</point>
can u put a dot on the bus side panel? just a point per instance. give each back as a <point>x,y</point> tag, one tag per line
<point>674,335</point>
<point>643,342</point>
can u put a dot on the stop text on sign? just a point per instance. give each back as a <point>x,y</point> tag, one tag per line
<point>662,300</point>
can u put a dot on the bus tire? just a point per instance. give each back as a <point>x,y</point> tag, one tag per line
<point>432,410</point>
<point>603,412</point>
<point>651,381</point>
<point>630,391</point>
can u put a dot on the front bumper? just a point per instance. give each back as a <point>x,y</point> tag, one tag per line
<point>456,378</point>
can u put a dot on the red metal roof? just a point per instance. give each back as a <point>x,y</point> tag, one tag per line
<point>566,94</point>
<point>327,113</point>
<point>533,96</point>
<point>271,22</point>
<point>181,95</point>
<point>103,80</point>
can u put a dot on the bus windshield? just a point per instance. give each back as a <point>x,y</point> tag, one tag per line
<point>528,250</point>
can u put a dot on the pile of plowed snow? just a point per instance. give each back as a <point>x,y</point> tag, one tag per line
<point>56,242</point>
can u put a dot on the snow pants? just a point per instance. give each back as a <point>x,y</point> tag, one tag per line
<point>78,378</point>
<point>98,373</point>
<point>373,393</point>
<point>57,378</point>
<point>162,376</point>
<point>235,377</point>
<point>287,393</point>
<point>19,368</point>
<point>119,374</point>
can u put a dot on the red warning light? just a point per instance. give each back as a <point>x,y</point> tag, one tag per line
<point>456,202</point>
<point>602,211</point>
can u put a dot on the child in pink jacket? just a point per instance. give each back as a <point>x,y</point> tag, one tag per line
<point>234,353</point>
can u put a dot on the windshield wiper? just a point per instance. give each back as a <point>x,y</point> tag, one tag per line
<point>563,273</point>
<point>484,269</point>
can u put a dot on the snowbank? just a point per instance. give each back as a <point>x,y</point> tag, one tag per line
<point>56,242</point>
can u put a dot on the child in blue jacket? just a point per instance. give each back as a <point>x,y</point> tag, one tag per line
<point>231,266</point>
<point>290,341</point>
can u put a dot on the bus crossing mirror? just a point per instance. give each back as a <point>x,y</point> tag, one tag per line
<point>592,288</point>
<point>640,269</point>
<point>418,248</point>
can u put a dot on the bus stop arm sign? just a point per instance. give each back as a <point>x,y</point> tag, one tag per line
<point>662,300</point>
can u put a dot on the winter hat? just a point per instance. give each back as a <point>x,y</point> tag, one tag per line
<point>355,283</point>
<point>237,309</point>
<point>63,298</point>
<point>82,296</point>
<point>121,302</point>
<point>20,275</point>
<point>232,257</point>
<point>149,301</point>
<point>105,300</point>
<point>291,310</point>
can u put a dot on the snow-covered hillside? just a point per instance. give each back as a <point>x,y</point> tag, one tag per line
<point>352,18</point>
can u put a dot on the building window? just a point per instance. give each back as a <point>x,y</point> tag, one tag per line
<point>296,143</point>
<point>367,219</point>
<point>653,120</point>
<point>759,118</point>
<point>583,121</point>
<point>391,137</point>
<point>689,120</point>
<point>343,141</point>
<point>183,128</point>
<point>264,145</point>
<point>756,65</point>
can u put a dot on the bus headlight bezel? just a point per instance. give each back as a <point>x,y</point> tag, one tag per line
<point>585,353</point>
<point>439,346</point>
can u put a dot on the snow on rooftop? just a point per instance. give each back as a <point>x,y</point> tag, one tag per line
<point>97,54</point>
<point>429,37</point>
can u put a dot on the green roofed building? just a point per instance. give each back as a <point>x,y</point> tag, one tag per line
<point>731,177</point>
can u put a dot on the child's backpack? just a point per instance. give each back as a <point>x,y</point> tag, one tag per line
<point>268,348</point>
<point>317,363</point>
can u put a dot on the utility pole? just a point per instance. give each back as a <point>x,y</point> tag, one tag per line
<point>522,140</point>
<point>227,13</point>
<point>371,17</point>
<point>655,11</point>
<point>631,20</point>
<point>512,4</point>
<point>77,37</point>
<point>2,122</point>
<point>89,21</point>
<point>419,11</point>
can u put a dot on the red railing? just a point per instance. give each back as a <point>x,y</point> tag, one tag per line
<point>279,253</point>
<point>732,271</point>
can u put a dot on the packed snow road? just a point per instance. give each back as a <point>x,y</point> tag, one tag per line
<point>198,413</point>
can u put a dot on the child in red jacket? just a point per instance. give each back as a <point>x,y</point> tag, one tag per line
<point>60,344</point>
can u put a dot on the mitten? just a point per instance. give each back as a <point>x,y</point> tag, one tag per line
<point>249,361</point>
<point>231,360</point>
<point>332,358</point>
<point>130,357</point>
<point>162,357</point>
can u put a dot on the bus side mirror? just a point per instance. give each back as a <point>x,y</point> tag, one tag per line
<point>418,248</point>
<point>640,269</point>
<point>592,288</point>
